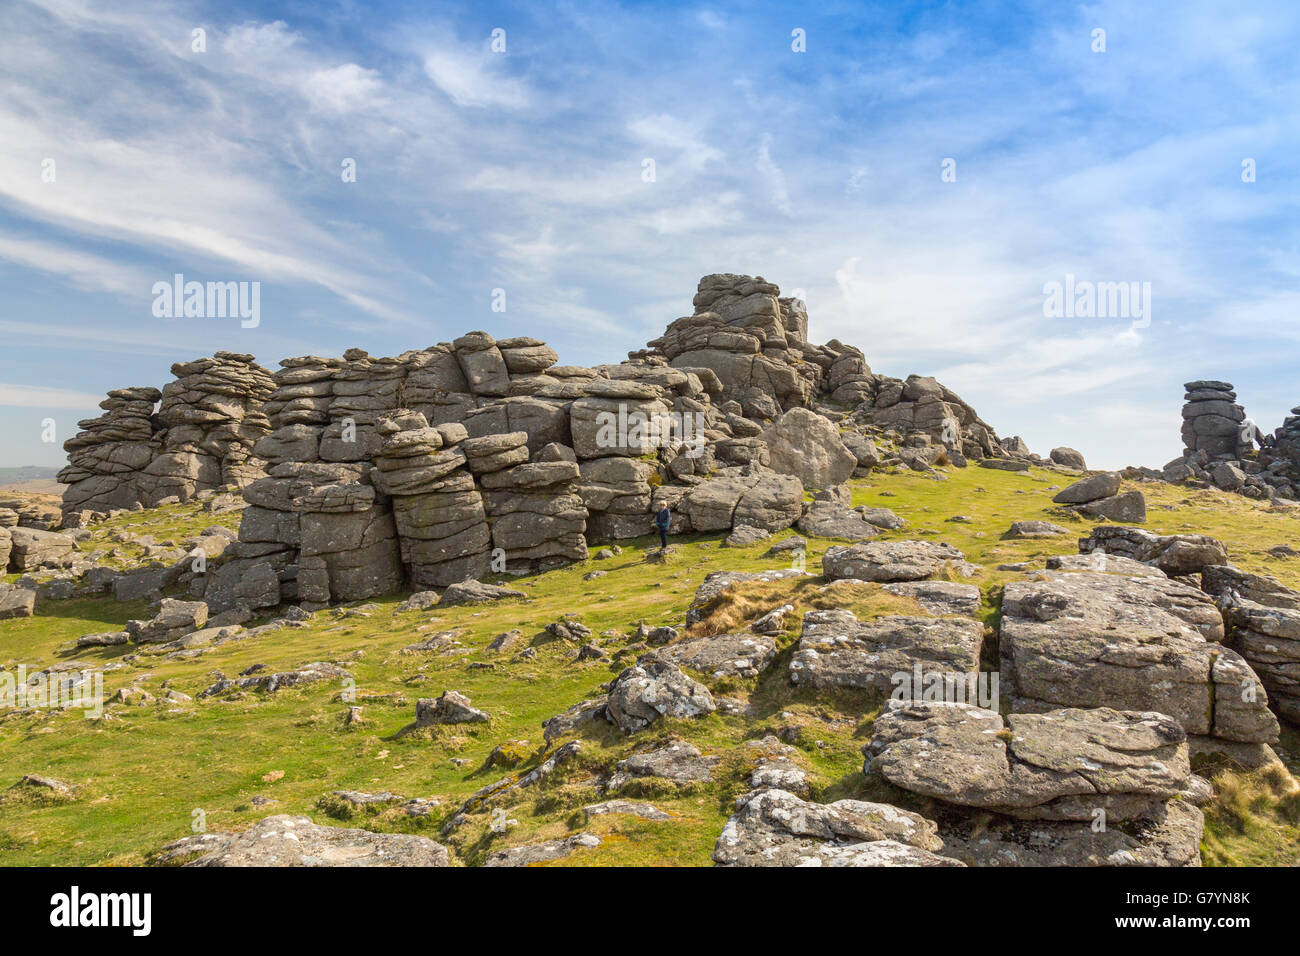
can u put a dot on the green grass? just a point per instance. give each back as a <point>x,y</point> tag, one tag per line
<point>143,776</point>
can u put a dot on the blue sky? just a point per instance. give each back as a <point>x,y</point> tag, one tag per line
<point>522,170</point>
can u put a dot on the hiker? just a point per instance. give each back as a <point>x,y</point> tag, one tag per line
<point>663,518</point>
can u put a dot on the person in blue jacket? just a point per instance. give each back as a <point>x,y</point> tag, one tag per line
<point>663,519</point>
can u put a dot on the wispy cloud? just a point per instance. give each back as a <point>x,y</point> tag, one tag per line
<point>817,170</point>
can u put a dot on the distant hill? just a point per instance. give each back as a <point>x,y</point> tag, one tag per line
<point>26,473</point>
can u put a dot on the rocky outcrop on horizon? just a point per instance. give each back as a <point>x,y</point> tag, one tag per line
<point>150,446</point>
<point>438,465</point>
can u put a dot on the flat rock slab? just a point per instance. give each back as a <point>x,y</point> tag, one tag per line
<point>678,762</point>
<point>476,592</point>
<point>632,808</point>
<point>723,655</point>
<point>774,827</point>
<point>1079,639</point>
<point>542,852</point>
<point>285,840</point>
<point>836,650</point>
<point>1102,563</point>
<point>1035,529</point>
<point>1169,836</point>
<point>17,602</point>
<point>940,597</point>
<point>969,756</point>
<point>826,519</point>
<point>888,561</point>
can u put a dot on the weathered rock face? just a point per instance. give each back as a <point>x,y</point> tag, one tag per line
<point>1057,764</point>
<point>1263,619</point>
<point>743,496</point>
<point>808,446</point>
<point>652,689</point>
<point>1031,793</point>
<point>201,437</point>
<point>723,655</point>
<point>838,651</point>
<point>1085,639</point>
<point>285,840</point>
<point>363,474</point>
<point>753,341</point>
<point>773,827</point>
<point>1174,554</point>
<point>1211,419</point>
<point>891,560</point>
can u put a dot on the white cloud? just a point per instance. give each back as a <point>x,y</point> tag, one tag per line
<point>774,177</point>
<point>41,396</point>
<point>344,88</point>
<point>472,79</point>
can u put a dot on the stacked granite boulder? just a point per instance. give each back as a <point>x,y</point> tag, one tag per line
<point>1280,459</point>
<point>437,509</point>
<point>1220,452</point>
<point>208,420</point>
<point>754,341</point>
<point>212,415</point>
<point>1263,619</point>
<point>363,472</point>
<point>536,515</point>
<point>107,457</point>
<point>920,405</point>
<point>1211,420</point>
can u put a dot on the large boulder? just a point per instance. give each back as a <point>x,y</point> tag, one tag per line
<point>808,446</point>
<point>30,549</point>
<point>1031,789</point>
<point>286,840</point>
<point>655,688</point>
<point>1087,639</point>
<point>828,519</point>
<point>773,827</point>
<point>1103,484</point>
<point>891,560</point>
<point>1068,458</point>
<point>838,651</point>
<point>1057,764</point>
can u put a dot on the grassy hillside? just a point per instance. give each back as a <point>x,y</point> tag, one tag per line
<point>142,774</point>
